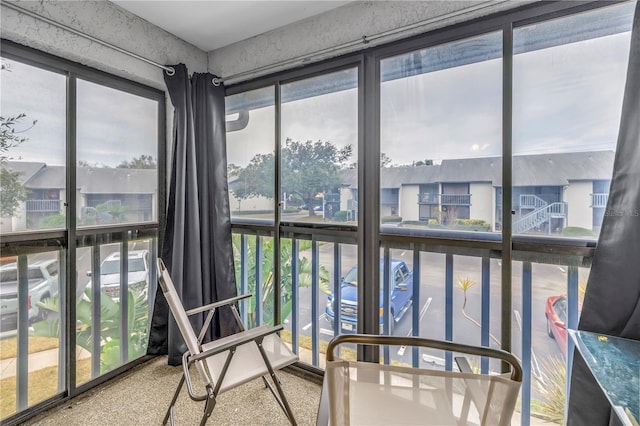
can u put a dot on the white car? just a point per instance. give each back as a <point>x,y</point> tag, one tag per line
<point>110,273</point>
<point>43,284</point>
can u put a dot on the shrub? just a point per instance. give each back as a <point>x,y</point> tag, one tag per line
<point>340,216</point>
<point>434,222</point>
<point>391,219</point>
<point>472,222</point>
<point>415,223</point>
<point>575,231</point>
<point>54,221</point>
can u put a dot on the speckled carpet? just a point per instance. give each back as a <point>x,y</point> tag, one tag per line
<point>142,395</point>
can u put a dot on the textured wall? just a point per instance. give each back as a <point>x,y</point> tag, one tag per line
<point>105,21</point>
<point>345,24</point>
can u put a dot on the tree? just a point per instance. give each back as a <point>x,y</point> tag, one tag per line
<point>141,162</point>
<point>307,169</point>
<point>12,191</point>
<point>385,160</point>
<point>423,163</point>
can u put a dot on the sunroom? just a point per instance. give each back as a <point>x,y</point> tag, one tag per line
<point>469,162</point>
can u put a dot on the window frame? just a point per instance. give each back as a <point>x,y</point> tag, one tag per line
<point>66,241</point>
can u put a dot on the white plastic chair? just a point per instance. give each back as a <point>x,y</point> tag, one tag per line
<point>227,362</point>
<point>364,393</point>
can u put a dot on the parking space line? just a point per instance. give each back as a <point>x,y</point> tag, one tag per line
<point>423,311</point>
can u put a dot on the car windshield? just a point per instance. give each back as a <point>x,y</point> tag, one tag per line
<point>352,277</point>
<point>109,267</point>
<point>113,266</point>
<point>136,265</point>
<point>12,275</point>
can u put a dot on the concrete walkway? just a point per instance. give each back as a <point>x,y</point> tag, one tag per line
<point>37,361</point>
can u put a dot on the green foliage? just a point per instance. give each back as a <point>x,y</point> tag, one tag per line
<point>54,221</point>
<point>138,319</point>
<point>391,219</point>
<point>433,222</point>
<point>575,231</point>
<point>142,162</point>
<point>415,223</point>
<point>471,222</point>
<point>307,169</point>
<point>13,192</point>
<point>385,160</point>
<point>115,210</point>
<point>340,216</point>
<point>550,388</point>
<point>267,277</point>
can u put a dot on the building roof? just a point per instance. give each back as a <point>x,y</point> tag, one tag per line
<point>529,170</point>
<point>90,180</point>
<point>27,169</point>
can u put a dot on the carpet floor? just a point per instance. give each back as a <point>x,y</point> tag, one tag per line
<point>142,395</point>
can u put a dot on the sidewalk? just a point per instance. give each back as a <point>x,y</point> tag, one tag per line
<point>37,361</point>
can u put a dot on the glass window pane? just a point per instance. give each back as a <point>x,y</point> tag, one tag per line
<point>441,136</point>
<point>568,81</point>
<point>45,377</point>
<point>117,151</point>
<point>113,350</point>
<point>32,150</point>
<point>319,151</point>
<point>250,159</point>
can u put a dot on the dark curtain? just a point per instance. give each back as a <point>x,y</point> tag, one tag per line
<point>196,245</point>
<point>612,300</point>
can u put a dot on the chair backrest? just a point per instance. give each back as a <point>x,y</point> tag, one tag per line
<point>180,315</point>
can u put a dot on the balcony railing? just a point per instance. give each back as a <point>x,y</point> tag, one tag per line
<point>34,206</point>
<point>445,199</point>
<point>319,260</point>
<point>599,200</point>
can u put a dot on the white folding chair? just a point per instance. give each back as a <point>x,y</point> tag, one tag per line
<point>227,362</point>
<point>363,393</point>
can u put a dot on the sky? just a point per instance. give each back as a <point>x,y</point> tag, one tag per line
<point>565,98</point>
<point>113,126</point>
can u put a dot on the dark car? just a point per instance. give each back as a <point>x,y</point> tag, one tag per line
<point>401,296</point>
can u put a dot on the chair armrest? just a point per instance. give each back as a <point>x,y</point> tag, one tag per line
<point>377,340</point>
<point>217,304</point>
<point>234,340</point>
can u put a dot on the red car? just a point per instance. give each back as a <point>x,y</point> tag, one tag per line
<point>556,313</point>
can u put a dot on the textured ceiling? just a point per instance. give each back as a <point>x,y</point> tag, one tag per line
<point>210,25</point>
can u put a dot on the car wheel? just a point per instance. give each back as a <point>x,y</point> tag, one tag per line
<point>43,313</point>
<point>549,331</point>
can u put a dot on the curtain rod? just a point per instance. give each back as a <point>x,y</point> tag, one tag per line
<point>364,40</point>
<point>19,9</point>
<point>297,61</point>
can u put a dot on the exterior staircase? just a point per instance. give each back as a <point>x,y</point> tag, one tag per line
<point>542,212</point>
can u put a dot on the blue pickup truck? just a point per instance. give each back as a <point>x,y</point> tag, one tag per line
<point>401,296</point>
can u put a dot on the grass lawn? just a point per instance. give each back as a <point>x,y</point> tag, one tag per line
<point>9,347</point>
<point>42,384</point>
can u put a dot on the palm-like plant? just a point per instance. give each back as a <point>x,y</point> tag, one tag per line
<point>267,277</point>
<point>109,330</point>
